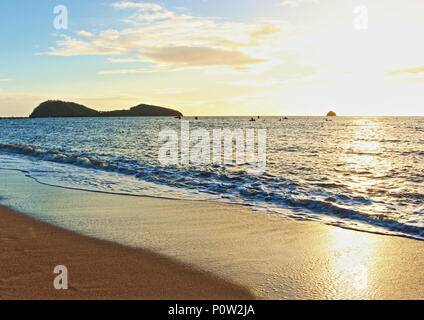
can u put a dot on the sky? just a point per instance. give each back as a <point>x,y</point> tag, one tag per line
<point>215,57</point>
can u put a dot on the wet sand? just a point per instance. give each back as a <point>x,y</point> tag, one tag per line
<point>97,269</point>
<point>274,257</point>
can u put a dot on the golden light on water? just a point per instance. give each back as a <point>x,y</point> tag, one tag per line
<point>354,266</point>
<point>363,156</point>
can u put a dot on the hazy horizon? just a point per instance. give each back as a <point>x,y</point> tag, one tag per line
<point>229,116</point>
<point>216,58</point>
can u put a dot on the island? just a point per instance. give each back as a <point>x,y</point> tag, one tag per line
<point>62,109</point>
<point>331,114</point>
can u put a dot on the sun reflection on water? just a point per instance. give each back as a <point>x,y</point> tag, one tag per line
<point>365,166</point>
<point>363,158</point>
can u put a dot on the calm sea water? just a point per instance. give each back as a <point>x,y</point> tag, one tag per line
<point>360,173</point>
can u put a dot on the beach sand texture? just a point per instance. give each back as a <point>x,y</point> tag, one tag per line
<point>98,269</point>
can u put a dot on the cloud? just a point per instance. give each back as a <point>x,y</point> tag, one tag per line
<point>69,46</point>
<point>86,34</point>
<point>164,40</point>
<point>123,60</point>
<point>408,71</point>
<point>144,11</point>
<point>415,74</point>
<point>247,83</point>
<point>198,56</point>
<point>137,5</point>
<point>297,3</point>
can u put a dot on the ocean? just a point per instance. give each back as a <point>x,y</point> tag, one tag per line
<point>361,173</point>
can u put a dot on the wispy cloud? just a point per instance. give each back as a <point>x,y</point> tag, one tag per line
<point>85,34</point>
<point>246,83</point>
<point>165,41</point>
<point>297,3</point>
<point>410,71</point>
<point>137,5</point>
<point>414,74</point>
<point>69,46</point>
<point>123,60</point>
<point>187,56</point>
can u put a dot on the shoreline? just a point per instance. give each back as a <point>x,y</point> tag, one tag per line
<point>272,257</point>
<point>97,269</point>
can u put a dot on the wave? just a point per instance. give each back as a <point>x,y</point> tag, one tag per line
<point>65,158</point>
<point>377,220</point>
<point>269,193</point>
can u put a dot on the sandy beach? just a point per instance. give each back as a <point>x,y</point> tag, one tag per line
<point>98,269</point>
<point>270,256</point>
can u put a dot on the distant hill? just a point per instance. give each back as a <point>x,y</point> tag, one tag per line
<point>55,109</point>
<point>331,114</point>
<point>61,109</point>
<point>143,110</point>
